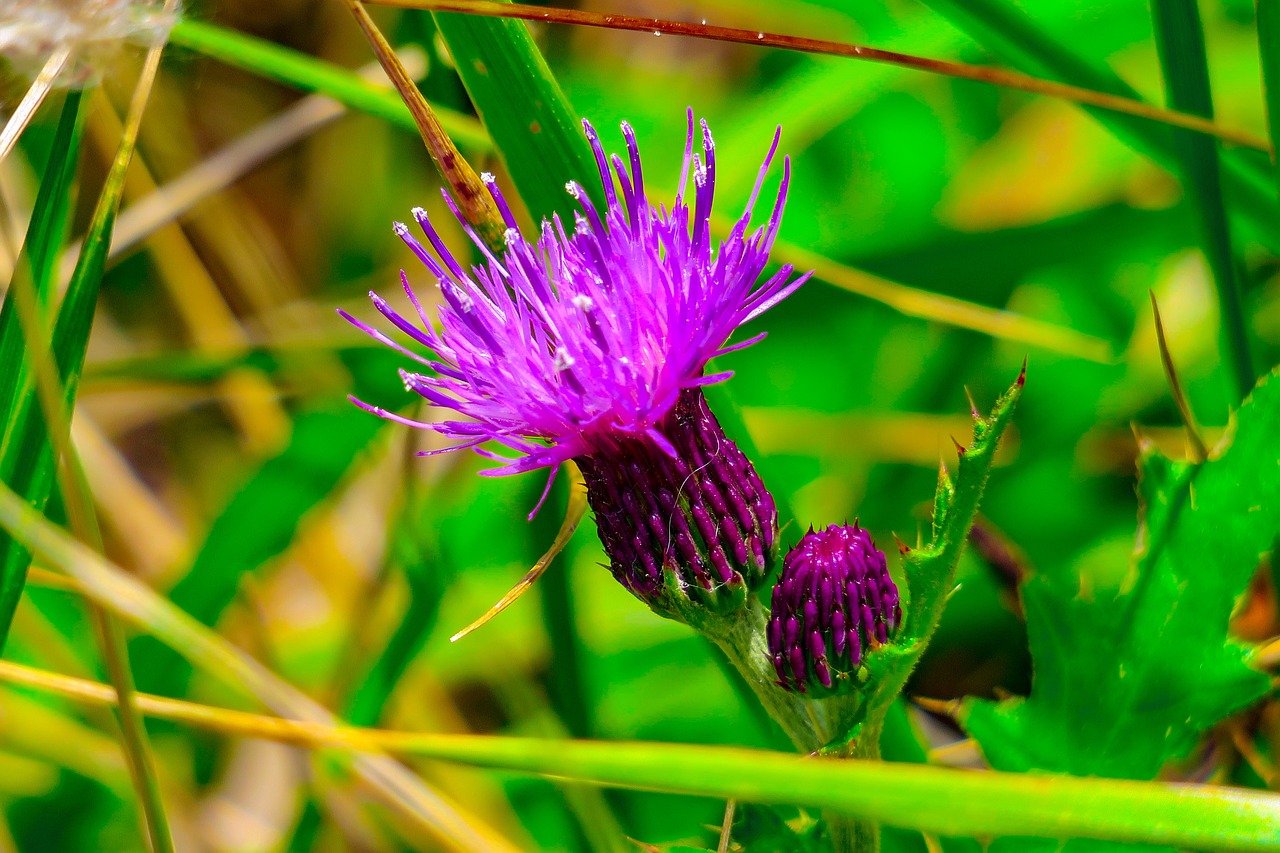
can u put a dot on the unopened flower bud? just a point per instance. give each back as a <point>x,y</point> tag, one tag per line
<point>833,603</point>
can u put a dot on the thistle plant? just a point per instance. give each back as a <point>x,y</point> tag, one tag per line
<point>591,344</point>
<point>1099,698</point>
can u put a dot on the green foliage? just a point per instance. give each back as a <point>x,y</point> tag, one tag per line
<point>1016,37</point>
<point>524,109</point>
<point>262,517</point>
<point>759,829</point>
<point>21,447</point>
<point>1126,681</point>
<point>930,569</point>
<point>1180,39</point>
<point>995,200</point>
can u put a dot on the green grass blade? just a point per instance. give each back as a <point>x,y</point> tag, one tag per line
<point>42,417</point>
<point>134,601</point>
<point>524,109</point>
<point>1180,43</point>
<point>26,459</point>
<point>45,235</point>
<point>947,802</point>
<point>1019,40</point>
<point>937,800</point>
<point>315,75</point>
<point>1269,47</point>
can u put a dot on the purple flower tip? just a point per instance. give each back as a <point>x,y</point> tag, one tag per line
<point>834,601</point>
<point>588,335</point>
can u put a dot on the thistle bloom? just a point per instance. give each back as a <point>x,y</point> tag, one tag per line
<point>591,344</point>
<point>833,603</point>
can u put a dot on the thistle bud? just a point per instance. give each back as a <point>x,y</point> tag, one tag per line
<point>833,603</point>
<point>683,518</point>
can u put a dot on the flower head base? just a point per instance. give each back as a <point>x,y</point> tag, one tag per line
<point>562,347</point>
<point>833,603</point>
<point>694,528</point>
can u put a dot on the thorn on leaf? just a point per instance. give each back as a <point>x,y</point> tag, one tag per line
<point>973,407</point>
<point>903,548</point>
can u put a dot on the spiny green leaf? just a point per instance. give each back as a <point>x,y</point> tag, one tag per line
<point>930,568</point>
<point>1127,681</point>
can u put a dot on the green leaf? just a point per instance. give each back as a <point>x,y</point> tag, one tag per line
<point>763,829</point>
<point>26,456</point>
<point>932,799</point>
<point>1125,682</point>
<point>44,238</point>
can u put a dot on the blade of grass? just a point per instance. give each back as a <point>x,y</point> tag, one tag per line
<point>44,238</point>
<point>32,100</point>
<point>940,308</point>
<point>49,436</point>
<point>124,595</point>
<point>1269,47</point>
<point>1184,60</point>
<point>959,70</point>
<point>931,799</point>
<point>111,641</point>
<point>315,75</point>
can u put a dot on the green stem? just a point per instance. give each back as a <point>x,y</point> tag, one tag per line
<point>809,723</point>
<point>849,834</point>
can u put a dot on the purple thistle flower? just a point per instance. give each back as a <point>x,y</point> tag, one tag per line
<point>833,603</point>
<point>592,333</point>
<point>591,344</point>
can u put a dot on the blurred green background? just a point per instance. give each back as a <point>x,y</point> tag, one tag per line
<point>229,471</point>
